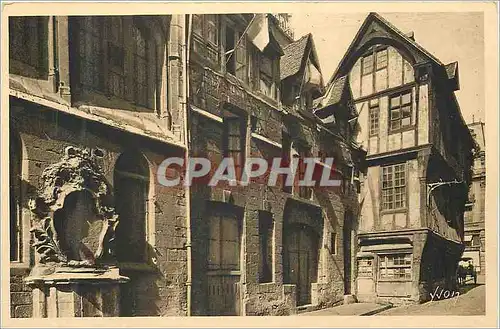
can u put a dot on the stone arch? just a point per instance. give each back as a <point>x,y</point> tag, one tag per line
<point>132,186</point>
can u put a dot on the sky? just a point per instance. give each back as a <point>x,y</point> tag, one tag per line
<point>449,36</point>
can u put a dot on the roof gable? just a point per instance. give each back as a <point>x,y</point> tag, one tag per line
<point>375,29</point>
<point>295,56</point>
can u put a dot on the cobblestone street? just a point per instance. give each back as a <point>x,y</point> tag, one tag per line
<point>472,301</point>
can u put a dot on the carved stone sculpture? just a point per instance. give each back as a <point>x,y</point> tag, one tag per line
<point>75,218</point>
<point>74,229</point>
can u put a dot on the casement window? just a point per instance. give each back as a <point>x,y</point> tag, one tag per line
<point>131,188</point>
<point>230,58</point>
<point>367,64</point>
<point>381,58</point>
<point>266,228</point>
<point>394,187</point>
<point>375,60</point>
<point>224,243</point>
<point>395,267</point>
<point>400,111</point>
<point>27,43</point>
<point>234,142</point>
<point>15,185</point>
<point>142,56</point>
<point>267,85</point>
<point>91,34</point>
<point>236,54</point>
<point>365,268</point>
<point>207,27</point>
<point>117,58</point>
<point>206,36</point>
<point>374,114</point>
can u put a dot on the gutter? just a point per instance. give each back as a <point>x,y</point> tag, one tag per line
<point>186,42</point>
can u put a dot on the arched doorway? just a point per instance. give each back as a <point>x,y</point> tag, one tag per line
<point>301,247</point>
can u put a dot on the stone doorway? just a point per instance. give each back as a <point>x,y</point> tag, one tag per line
<point>301,260</point>
<point>223,276</point>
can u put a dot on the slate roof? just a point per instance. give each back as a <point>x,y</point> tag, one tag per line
<point>291,61</point>
<point>334,93</point>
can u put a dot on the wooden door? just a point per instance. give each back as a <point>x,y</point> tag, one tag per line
<point>301,265</point>
<point>223,276</point>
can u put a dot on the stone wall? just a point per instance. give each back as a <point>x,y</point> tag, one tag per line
<point>158,285</point>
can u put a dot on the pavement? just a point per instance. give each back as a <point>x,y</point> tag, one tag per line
<point>472,301</point>
<point>355,309</point>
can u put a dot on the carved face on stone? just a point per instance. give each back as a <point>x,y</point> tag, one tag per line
<point>80,227</point>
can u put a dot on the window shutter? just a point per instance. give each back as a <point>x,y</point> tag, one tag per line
<point>241,60</point>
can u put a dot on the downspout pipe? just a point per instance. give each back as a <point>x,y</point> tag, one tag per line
<point>185,45</point>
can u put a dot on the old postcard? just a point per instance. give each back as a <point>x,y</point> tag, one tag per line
<point>300,164</point>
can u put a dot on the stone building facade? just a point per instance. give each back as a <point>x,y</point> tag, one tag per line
<point>95,107</point>
<point>259,249</point>
<point>419,155</point>
<point>474,217</point>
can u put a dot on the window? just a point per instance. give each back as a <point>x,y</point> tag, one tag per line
<point>141,75</point>
<point>26,35</point>
<point>198,25</point>
<point>266,76</point>
<point>211,27</point>
<point>116,57</point>
<point>367,64</point>
<point>234,131</point>
<point>91,52</point>
<point>382,58</point>
<point>482,159</point>
<point>395,267</point>
<point>206,36</point>
<point>224,243</point>
<point>230,57</point>
<point>365,268</point>
<point>333,243</point>
<point>131,185</point>
<point>266,225</point>
<point>15,182</point>
<point>374,117</point>
<point>400,111</point>
<point>394,187</point>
